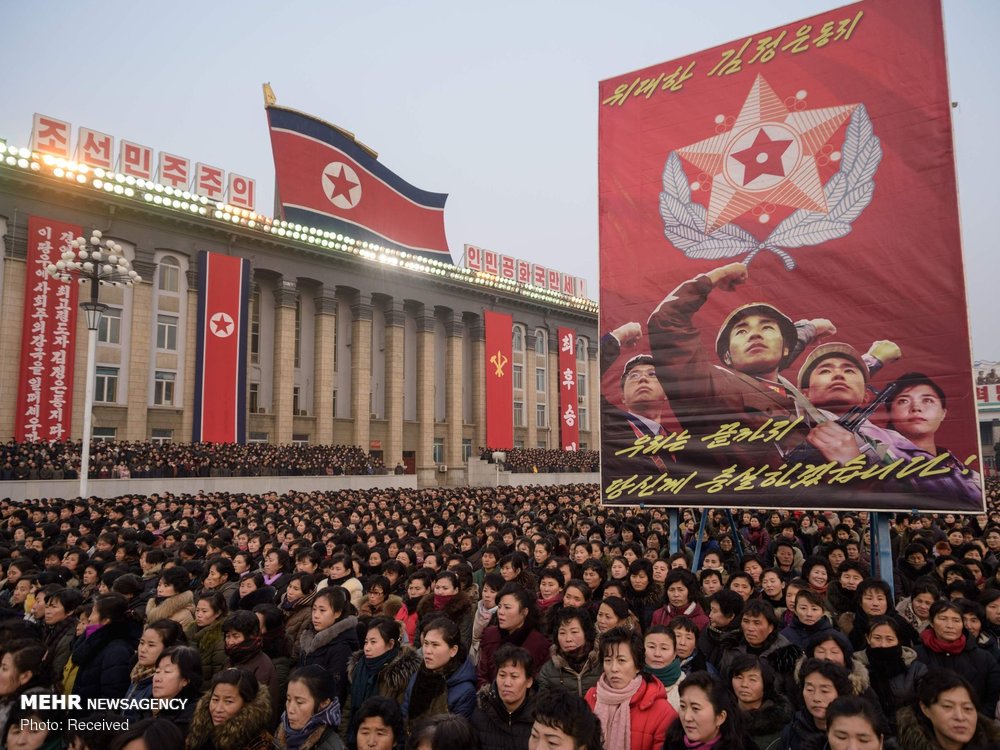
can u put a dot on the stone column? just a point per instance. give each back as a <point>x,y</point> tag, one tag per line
<point>283,377</point>
<point>139,350</point>
<point>325,340</point>
<point>477,333</point>
<point>395,330</point>
<point>454,364</point>
<point>191,348</point>
<point>361,370</point>
<point>594,396</point>
<point>426,470</point>
<point>530,393</point>
<point>12,313</point>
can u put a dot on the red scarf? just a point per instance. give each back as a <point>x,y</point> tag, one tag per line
<point>441,601</point>
<point>544,604</point>
<point>819,590</point>
<point>938,646</point>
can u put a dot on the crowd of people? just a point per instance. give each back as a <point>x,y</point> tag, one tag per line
<point>166,460</point>
<point>492,619</point>
<point>545,460</point>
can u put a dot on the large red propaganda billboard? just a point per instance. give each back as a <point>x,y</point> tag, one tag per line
<point>782,291</point>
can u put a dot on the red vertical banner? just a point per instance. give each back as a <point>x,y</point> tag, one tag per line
<point>499,381</point>
<point>221,355</point>
<point>48,335</point>
<point>569,418</point>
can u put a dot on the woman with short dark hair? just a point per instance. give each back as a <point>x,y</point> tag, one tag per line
<point>944,714</point>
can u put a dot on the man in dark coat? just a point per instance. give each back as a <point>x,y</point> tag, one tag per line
<point>503,717</point>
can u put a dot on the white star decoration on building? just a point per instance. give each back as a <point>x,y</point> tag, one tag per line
<point>768,156</point>
<point>221,325</point>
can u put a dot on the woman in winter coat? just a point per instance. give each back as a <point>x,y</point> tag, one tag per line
<point>766,711</point>
<point>383,667</point>
<point>643,595</point>
<point>446,681</point>
<point>503,717</point>
<point>631,704</point>
<point>312,712</point>
<point>296,603</point>
<point>253,591</point>
<point>22,671</point>
<point>60,631</point>
<point>244,644</point>
<point>683,598</point>
<point>102,655</point>
<point>916,608</point>
<point>177,676</point>
<point>156,638</point>
<point>331,636</point>
<point>447,599</point>
<point>946,645</point>
<point>927,724</point>
<point>708,718</point>
<point>663,662</point>
<point>893,668</point>
<point>486,609</point>
<point>205,633</point>
<point>173,600</point>
<point>872,600</point>
<point>517,620</point>
<point>809,618</point>
<point>574,662</point>
<point>221,577</point>
<point>233,715</point>
<point>820,683</point>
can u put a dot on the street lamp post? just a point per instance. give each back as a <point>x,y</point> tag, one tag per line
<point>498,458</point>
<point>98,262</point>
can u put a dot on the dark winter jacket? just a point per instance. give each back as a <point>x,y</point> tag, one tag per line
<point>460,610</point>
<point>497,728</point>
<point>331,649</point>
<point>104,661</point>
<point>896,690</point>
<point>527,638</point>
<point>212,647</point>
<point>801,734</point>
<point>799,634</point>
<point>247,730</point>
<point>391,682</point>
<point>765,724</point>
<point>458,698</point>
<point>975,664</point>
<point>557,673</point>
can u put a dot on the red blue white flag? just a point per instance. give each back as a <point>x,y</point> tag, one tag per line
<point>325,179</point>
<point>220,365</point>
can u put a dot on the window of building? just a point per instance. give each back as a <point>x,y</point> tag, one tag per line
<point>542,445</point>
<point>581,349</point>
<point>257,437</point>
<point>296,391</point>
<point>519,444</point>
<point>169,276</point>
<point>540,415</point>
<point>106,385</point>
<point>466,449</point>
<point>517,343</point>
<point>109,330</point>
<point>298,331</point>
<point>581,385</point>
<point>439,450</point>
<point>540,379</point>
<point>100,434</point>
<point>161,436</point>
<point>166,332</point>
<point>300,439</point>
<point>518,377</point>
<point>254,398</point>
<point>255,325</point>
<point>584,420</point>
<point>334,403</point>
<point>163,388</point>
<point>540,342</point>
<point>518,414</point>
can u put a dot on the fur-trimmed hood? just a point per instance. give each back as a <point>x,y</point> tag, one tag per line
<point>559,661</point>
<point>772,716</point>
<point>395,675</point>
<point>170,607</point>
<point>911,734</point>
<point>241,731</point>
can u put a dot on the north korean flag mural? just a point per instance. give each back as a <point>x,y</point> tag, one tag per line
<point>569,423</point>
<point>783,302</point>
<point>221,357</point>
<point>499,380</point>
<point>48,337</point>
<point>326,180</point>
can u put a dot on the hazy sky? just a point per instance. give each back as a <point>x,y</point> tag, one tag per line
<point>494,104</point>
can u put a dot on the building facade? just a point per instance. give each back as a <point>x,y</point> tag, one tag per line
<point>346,344</point>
